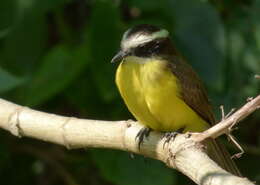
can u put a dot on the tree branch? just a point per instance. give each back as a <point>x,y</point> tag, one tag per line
<point>81,133</point>
<point>226,125</point>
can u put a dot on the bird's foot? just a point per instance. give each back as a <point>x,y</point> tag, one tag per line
<point>142,134</point>
<point>170,136</point>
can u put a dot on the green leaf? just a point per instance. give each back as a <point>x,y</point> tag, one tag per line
<point>104,42</point>
<point>59,68</point>
<point>200,37</point>
<point>8,11</point>
<point>45,6</point>
<point>8,81</point>
<point>27,37</point>
<point>24,45</point>
<point>4,155</point>
<point>119,168</point>
<point>36,8</point>
<point>244,48</point>
<point>255,17</point>
<point>148,5</point>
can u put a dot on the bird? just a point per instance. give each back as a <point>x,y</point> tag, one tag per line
<point>162,90</point>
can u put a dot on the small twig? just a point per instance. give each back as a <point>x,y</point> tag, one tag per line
<point>249,149</point>
<point>223,116</point>
<point>239,154</point>
<point>223,126</point>
<point>222,112</point>
<point>249,99</point>
<point>230,113</point>
<point>230,129</point>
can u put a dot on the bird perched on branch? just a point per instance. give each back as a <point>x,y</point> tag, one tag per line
<point>162,91</point>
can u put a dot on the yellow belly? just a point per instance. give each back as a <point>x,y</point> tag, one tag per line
<point>152,95</point>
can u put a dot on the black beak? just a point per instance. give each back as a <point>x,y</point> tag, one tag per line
<point>119,56</point>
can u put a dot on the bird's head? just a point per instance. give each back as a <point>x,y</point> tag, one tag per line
<point>143,41</point>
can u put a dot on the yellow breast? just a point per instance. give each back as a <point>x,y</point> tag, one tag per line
<point>152,94</point>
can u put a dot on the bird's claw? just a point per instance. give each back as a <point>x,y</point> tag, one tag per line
<point>142,134</point>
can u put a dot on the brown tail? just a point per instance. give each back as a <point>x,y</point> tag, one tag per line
<point>220,155</point>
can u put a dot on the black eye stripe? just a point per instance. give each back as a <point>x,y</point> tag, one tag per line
<point>154,47</point>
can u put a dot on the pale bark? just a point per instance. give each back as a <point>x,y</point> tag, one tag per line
<point>185,153</point>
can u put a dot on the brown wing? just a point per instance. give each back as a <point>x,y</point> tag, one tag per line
<point>192,89</point>
<point>194,95</point>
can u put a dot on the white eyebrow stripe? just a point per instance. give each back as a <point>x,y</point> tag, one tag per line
<point>142,38</point>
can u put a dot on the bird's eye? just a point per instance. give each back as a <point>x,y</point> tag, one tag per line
<point>157,46</point>
<point>142,48</point>
<point>158,42</point>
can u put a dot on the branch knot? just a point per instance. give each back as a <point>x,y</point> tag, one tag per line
<point>14,122</point>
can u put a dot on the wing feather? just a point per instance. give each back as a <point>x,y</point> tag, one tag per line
<point>192,90</point>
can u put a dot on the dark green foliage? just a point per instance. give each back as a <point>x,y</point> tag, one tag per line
<point>59,68</point>
<point>55,56</point>
<point>119,168</point>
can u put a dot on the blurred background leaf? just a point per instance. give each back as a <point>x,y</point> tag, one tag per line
<point>59,68</point>
<point>7,16</point>
<point>55,56</point>
<point>8,81</point>
<point>118,168</point>
<point>200,35</point>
